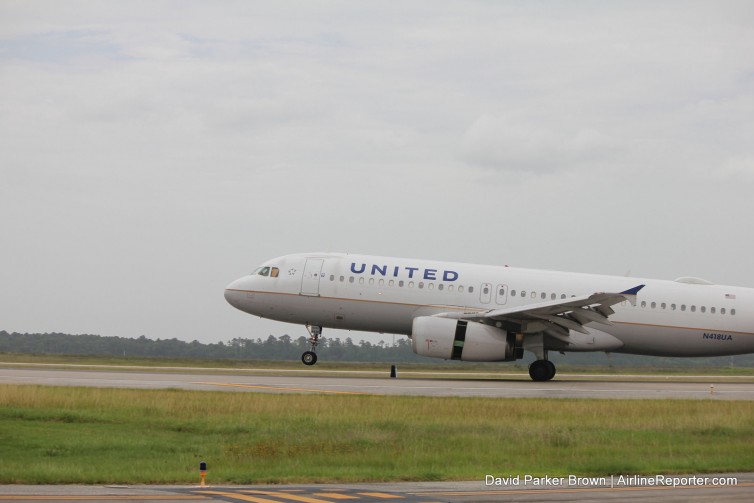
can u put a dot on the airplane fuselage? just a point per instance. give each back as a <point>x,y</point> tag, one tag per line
<point>686,317</point>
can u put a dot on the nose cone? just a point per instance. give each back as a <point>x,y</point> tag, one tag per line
<point>234,293</point>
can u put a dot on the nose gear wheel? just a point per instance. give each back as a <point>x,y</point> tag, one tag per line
<point>310,357</point>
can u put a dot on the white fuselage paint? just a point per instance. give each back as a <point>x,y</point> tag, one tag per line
<point>385,294</point>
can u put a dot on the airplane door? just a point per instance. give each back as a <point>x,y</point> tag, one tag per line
<point>312,273</point>
<point>485,294</point>
<point>501,295</point>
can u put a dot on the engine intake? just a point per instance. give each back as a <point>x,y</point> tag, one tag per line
<point>460,340</point>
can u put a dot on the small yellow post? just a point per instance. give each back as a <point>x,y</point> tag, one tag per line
<point>203,473</point>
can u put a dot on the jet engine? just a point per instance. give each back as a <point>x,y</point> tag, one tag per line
<point>462,340</point>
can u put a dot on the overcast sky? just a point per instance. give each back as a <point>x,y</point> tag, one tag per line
<point>152,152</point>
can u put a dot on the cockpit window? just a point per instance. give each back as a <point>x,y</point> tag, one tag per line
<point>266,271</point>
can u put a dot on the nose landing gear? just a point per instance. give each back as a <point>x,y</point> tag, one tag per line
<point>310,357</point>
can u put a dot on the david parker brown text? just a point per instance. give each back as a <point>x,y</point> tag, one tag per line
<point>611,481</point>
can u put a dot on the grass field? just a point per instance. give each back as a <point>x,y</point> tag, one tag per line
<point>86,435</point>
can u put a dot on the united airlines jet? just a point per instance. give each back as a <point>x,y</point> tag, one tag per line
<point>483,313</point>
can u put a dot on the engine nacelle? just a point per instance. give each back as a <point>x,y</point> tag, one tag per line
<point>460,340</point>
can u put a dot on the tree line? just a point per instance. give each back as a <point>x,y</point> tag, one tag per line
<point>271,348</point>
<point>287,348</point>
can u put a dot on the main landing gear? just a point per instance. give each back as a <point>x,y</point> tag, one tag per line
<point>310,357</point>
<point>542,370</point>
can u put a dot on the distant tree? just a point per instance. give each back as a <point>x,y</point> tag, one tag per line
<point>286,348</point>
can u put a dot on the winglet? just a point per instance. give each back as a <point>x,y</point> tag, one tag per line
<point>633,291</point>
<point>630,294</point>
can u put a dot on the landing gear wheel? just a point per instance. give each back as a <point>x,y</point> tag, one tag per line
<point>542,370</point>
<point>551,368</point>
<point>309,358</point>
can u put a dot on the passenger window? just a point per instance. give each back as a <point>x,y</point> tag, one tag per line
<point>361,281</point>
<point>654,305</point>
<point>460,289</point>
<point>332,277</point>
<point>450,288</point>
<point>341,279</point>
<point>553,296</point>
<point>704,309</point>
<point>350,280</point>
<point>275,271</point>
<point>732,312</point>
<point>371,281</point>
<point>501,292</point>
<point>486,290</point>
<point>533,295</point>
<point>523,293</point>
<point>431,286</point>
<point>722,310</point>
<point>712,310</point>
<point>562,296</point>
<point>382,282</point>
<point>643,303</point>
<point>401,283</point>
<point>693,309</point>
<point>421,284</point>
<point>513,293</point>
<point>441,286</point>
<point>471,289</point>
<point>683,307</point>
<point>663,305</point>
<point>410,284</point>
<point>544,295</point>
<point>672,307</point>
<point>391,283</point>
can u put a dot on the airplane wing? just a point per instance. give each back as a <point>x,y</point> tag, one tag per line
<point>557,317</point>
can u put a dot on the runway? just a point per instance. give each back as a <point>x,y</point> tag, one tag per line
<point>450,384</point>
<point>721,487</point>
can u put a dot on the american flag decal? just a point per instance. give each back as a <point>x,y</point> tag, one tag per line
<point>730,295</point>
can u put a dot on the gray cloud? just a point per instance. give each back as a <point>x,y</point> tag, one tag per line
<point>509,144</point>
<point>150,153</point>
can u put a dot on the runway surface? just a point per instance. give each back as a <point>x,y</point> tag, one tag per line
<point>450,384</point>
<point>728,488</point>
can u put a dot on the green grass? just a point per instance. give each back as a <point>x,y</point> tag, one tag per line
<point>87,435</point>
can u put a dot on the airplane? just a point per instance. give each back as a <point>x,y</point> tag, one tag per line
<point>458,311</point>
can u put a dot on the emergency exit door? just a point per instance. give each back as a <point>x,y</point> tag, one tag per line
<point>312,274</point>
